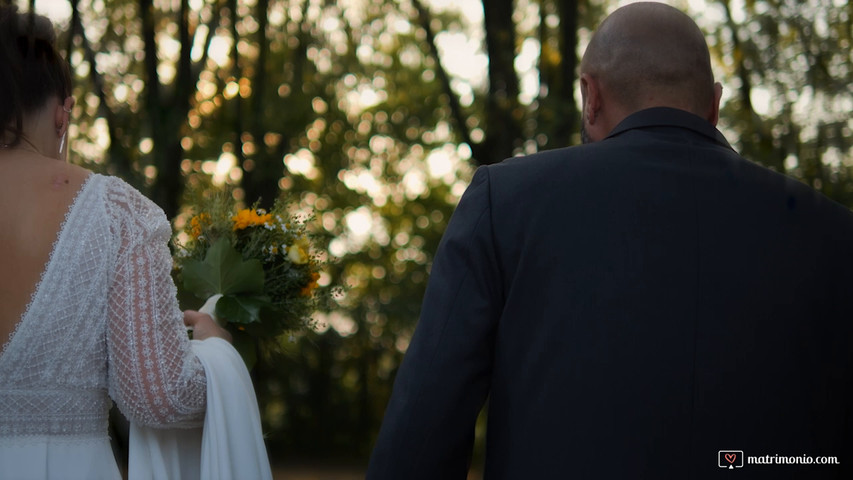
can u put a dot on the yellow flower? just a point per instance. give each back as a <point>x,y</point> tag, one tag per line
<point>196,224</point>
<point>298,252</point>
<point>250,218</point>
<point>307,289</point>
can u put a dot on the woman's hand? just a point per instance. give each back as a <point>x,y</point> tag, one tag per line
<point>204,327</point>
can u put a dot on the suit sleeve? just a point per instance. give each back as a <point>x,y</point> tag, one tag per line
<point>428,429</point>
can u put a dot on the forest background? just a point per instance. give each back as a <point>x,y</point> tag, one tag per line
<point>371,115</point>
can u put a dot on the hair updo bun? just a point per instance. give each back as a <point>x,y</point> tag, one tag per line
<point>32,70</point>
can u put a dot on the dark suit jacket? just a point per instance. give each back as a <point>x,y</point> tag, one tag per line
<point>631,308</point>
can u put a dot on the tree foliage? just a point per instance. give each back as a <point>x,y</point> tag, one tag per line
<point>790,67</point>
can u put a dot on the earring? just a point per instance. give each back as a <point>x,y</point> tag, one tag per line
<point>62,140</point>
<point>64,135</point>
<point>62,143</point>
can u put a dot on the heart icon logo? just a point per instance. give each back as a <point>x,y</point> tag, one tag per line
<point>731,457</point>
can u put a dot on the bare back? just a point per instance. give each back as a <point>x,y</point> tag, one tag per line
<point>35,194</point>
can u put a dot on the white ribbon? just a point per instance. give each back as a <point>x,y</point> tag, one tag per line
<point>209,308</point>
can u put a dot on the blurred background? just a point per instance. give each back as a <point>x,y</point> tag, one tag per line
<point>371,116</point>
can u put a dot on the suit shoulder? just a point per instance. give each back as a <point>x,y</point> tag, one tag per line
<point>538,162</point>
<point>541,158</point>
<point>799,194</point>
<point>558,165</point>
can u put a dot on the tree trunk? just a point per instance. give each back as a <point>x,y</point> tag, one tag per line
<point>478,152</point>
<point>762,149</point>
<point>503,133</point>
<point>168,109</point>
<point>557,110</point>
<point>567,109</point>
<point>264,167</point>
<point>117,154</point>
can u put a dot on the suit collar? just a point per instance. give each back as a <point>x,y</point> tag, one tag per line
<point>669,117</point>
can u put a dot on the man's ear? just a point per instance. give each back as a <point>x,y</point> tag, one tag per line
<point>714,114</point>
<point>591,97</point>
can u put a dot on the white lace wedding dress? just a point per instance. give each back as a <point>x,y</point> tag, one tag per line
<point>102,324</point>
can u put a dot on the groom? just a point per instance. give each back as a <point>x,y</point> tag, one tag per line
<point>649,305</point>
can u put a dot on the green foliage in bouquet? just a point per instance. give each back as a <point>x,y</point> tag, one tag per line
<point>259,262</point>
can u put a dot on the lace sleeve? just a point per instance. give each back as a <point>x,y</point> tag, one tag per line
<point>154,377</point>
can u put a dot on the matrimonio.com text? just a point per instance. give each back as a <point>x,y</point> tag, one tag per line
<point>732,459</point>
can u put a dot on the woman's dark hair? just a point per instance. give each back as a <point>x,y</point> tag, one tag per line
<point>31,70</point>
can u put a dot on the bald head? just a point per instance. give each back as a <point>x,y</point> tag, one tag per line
<point>650,54</point>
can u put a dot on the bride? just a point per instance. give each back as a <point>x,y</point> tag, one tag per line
<point>88,313</point>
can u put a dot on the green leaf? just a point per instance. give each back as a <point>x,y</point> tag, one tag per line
<point>241,308</point>
<point>224,271</point>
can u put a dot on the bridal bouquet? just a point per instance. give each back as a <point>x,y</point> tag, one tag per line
<point>254,267</point>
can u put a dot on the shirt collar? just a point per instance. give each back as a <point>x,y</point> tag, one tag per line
<point>669,117</point>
